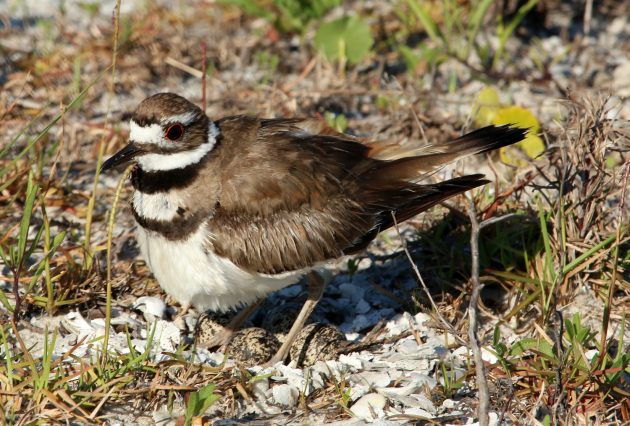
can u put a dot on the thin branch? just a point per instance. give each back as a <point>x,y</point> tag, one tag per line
<point>612,287</point>
<point>482,382</point>
<point>203,76</point>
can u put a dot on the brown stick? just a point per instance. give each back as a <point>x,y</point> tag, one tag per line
<point>203,76</point>
<point>482,383</point>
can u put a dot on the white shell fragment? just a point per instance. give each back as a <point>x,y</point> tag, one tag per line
<point>369,407</point>
<point>151,307</point>
<point>285,395</point>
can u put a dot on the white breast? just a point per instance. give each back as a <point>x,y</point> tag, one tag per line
<point>158,206</point>
<point>192,275</point>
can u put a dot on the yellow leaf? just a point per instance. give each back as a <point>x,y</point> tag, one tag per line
<point>532,145</point>
<point>486,106</point>
<point>518,116</point>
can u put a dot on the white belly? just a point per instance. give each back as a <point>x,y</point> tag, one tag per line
<point>198,277</point>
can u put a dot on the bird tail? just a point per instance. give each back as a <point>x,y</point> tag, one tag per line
<point>427,159</point>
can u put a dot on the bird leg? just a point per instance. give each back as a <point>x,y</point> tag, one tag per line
<point>223,337</point>
<point>316,286</point>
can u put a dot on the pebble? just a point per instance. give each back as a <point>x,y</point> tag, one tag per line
<point>75,323</point>
<point>362,307</point>
<point>325,369</point>
<point>285,395</point>
<point>448,404</point>
<point>357,391</point>
<point>402,390</point>
<point>352,292</point>
<point>621,79</point>
<point>369,406</point>
<point>401,323</point>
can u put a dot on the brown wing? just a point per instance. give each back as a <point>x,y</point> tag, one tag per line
<point>301,194</point>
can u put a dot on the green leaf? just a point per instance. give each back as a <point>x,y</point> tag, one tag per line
<point>532,344</point>
<point>344,38</point>
<point>200,401</point>
<point>207,397</point>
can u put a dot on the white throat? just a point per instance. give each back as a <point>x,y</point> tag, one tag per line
<point>177,160</point>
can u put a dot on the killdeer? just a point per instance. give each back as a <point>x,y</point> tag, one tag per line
<point>233,209</point>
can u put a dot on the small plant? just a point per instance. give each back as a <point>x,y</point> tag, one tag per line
<point>199,402</point>
<point>450,382</point>
<point>339,122</point>
<point>347,40</point>
<point>453,28</point>
<point>343,392</point>
<point>268,63</point>
<point>583,381</point>
<point>286,15</point>
<point>17,255</point>
<point>353,266</point>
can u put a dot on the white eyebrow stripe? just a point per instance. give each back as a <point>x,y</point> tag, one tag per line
<point>185,118</point>
<point>154,133</point>
<point>179,160</point>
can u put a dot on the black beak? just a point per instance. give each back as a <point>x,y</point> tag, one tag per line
<point>123,156</point>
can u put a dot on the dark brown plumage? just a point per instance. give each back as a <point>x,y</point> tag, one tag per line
<point>286,198</point>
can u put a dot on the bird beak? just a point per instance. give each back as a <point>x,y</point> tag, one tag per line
<point>123,156</point>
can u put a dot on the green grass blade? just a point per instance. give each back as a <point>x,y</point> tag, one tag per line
<point>476,19</point>
<point>31,193</point>
<point>73,103</point>
<point>23,130</point>
<point>516,20</point>
<point>549,271</point>
<point>425,19</point>
<point>584,256</point>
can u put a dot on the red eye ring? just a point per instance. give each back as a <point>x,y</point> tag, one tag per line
<point>174,132</point>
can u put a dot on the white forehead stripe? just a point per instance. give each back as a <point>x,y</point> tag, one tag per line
<point>146,134</point>
<point>179,160</point>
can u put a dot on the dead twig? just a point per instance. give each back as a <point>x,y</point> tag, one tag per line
<point>482,383</point>
<point>203,76</point>
<point>612,287</point>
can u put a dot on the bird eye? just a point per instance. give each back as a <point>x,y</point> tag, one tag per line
<point>174,132</point>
